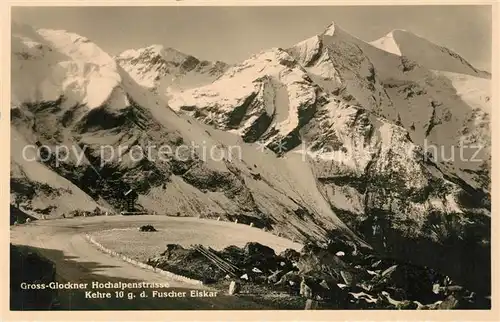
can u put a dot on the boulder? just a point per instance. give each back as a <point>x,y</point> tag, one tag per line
<point>258,256</point>
<point>337,244</point>
<point>320,263</point>
<point>256,270</point>
<point>290,254</point>
<point>234,255</point>
<point>347,277</point>
<point>407,305</point>
<point>256,249</point>
<point>275,276</point>
<point>361,300</point>
<point>388,272</point>
<point>147,228</point>
<point>170,248</point>
<point>291,278</point>
<point>449,303</point>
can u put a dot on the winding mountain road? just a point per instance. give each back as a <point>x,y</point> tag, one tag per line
<point>63,242</point>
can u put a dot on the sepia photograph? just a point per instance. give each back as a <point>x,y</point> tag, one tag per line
<point>250,158</point>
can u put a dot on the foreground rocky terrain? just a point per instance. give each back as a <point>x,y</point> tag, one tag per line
<point>333,139</point>
<point>337,276</point>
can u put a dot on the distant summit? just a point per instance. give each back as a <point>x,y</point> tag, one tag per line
<point>426,53</point>
<point>163,68</point>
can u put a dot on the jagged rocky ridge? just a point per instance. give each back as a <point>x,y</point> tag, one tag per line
<point>345,124</point>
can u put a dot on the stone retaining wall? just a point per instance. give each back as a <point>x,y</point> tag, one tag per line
<point>143,265</point>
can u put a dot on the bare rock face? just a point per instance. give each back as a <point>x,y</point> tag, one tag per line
<point>381,184</point>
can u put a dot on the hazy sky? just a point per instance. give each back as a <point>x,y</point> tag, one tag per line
<point>232,34</point>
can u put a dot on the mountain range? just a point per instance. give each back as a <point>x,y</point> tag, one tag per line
<point>386,144</point>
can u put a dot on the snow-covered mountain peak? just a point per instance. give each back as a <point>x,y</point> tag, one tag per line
<point>330,30</point>
<point>426,53</point>
<point>387,43</point>
<point>402,31</point>
<point>165,69</point>
<point>264,59</point>
<point>52,64</point>
<point>77,47</point>
<point>334,29</point>
<point>155,54</point>
<point>391,41</point>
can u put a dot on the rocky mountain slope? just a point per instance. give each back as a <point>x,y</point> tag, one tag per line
<point>333,136</point>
